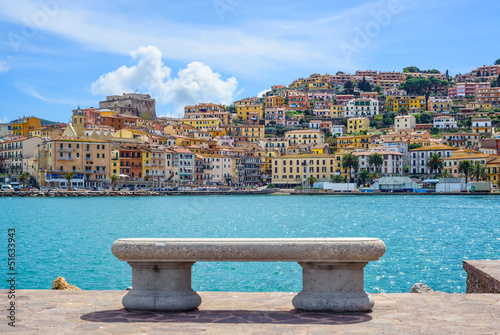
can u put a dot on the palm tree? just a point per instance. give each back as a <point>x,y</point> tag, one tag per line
<point>373,176</point>
<point>376,160</point>
<point>350,162</point>
<point>68,176</point>
<point>23,176</point>
<point>363,177</point>
<point>465,168</point>
<point>113,178</point>
<point>446,174</point>
<point>479,171</point>
<point>435,163</point>
<point>311,180</point>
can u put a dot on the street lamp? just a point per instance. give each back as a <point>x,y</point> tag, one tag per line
<point>304,164</point>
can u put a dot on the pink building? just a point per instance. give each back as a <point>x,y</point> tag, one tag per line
<point>469,88</point>
<point>341,99</point>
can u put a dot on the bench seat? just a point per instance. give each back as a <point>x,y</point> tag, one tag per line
<point>332,268</point>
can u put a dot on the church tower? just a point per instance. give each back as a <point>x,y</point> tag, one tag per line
<point>78,122</point>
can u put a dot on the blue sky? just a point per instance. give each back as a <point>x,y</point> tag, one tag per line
<point>58,54</point>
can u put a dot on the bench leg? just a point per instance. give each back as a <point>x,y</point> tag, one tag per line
<point>333,287</point>
<point>162,287</point>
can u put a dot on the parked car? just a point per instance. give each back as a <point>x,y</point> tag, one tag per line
<point>7,187</point>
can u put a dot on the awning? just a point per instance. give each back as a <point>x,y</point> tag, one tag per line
<point>431,181</point>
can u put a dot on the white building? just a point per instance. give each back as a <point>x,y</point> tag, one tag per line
<point>218,169</point>
<point>361,107</point>
<point>420,156</point>
<point>393,162</point>
<point>404,122</point>
<point>397,146</point>
<point>338,130</point>
<point>445,122</point>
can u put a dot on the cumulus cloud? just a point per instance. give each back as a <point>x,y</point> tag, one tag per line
<point>194,84</point>
<point>261,93</point>
<point>4,119</point>
<point>3,67</point>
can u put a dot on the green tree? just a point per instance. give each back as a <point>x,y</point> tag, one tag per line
<point>349,87</point>
<point>68,176</point>
<point>350,162</point>
<point>337,179</point>
<point>478,171</point>
<point>426,118</point>
<point>376,160</point>
<point>465,168</point>
<point>23,176</point>
<point>311,180</point>
<point>497,62</point>
<point>446,174</point>
<point>414,146</point>
<point>114,178</point>
<point>363,177</point>
<point>411,69</point>
<point>435,163</point>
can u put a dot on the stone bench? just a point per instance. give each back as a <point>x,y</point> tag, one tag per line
<point>332,269</point>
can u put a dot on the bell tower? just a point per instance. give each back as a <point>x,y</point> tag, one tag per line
<point>78,122</point>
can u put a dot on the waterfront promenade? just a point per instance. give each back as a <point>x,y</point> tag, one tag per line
<point>101,312</point>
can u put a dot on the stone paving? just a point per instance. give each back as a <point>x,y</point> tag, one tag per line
<point>101,312</point>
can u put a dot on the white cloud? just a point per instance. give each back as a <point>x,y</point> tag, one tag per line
<point>261,93</point>
<point>4,119</point>
<point>3,67</point>
<point>255,48</point>
<point>194,84</point>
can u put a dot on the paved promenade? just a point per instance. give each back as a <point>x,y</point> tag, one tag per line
<point>101,312</point>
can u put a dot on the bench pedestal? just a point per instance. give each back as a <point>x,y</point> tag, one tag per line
<point>162,287</point>
<point>333,287</point>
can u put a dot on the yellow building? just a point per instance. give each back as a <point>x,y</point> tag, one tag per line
<point>206,123</point>
<point>248,106</point>
<point>298,137</point>
<point>253,133</point>
<point>356,141</point>
<point>296,169</point>
<point>493,169</point>
<point>50,133</point>
<point>274,101</point>
<point>337,111</point>
<point>89,160</point>
<point>22,127</point>
<point>133,135</point>
<point>218,132</point>
<point>357,124</point>
<point>451,163</point>
<point>153,163</point>
<point>115,162</point>
<point>478,105</point>
<point>318,83</point>
<point>109,113</point>
<point>396,103</point>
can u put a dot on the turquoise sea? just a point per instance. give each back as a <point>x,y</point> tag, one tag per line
<point>427,237</point>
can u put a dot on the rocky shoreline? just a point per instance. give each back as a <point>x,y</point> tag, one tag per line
<point>108,193</point>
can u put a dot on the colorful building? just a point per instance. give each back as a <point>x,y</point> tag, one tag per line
<point>357,124</point>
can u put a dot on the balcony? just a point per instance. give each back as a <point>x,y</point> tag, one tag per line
<point>66,158</point>
<point>65,149</point>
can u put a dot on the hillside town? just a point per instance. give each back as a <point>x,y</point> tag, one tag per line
<point>342,128</point>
